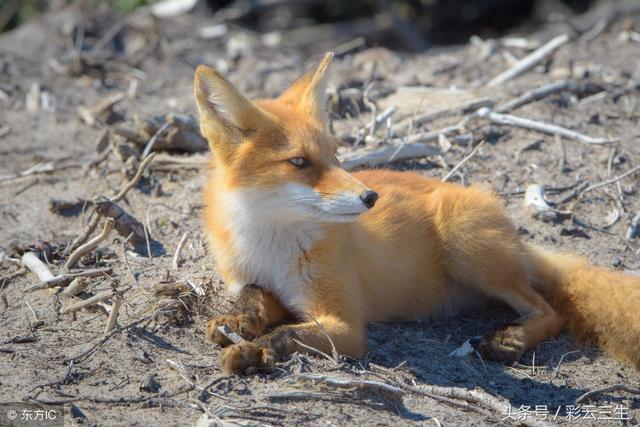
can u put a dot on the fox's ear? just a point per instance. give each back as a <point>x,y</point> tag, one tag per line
<point>225,114</point>
<point>309,92</point>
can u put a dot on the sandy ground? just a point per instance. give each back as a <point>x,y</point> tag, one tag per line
<point>103,387</point>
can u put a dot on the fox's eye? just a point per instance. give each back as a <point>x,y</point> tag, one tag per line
<point>299,162</point>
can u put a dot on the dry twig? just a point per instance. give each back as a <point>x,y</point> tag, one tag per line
<point>96,219</point>
<point>478,396</point>
<point>65,279</point>
<point>530,60</point>
<point>462,162</point>
<point>176,257</point>
<point>326,386</point>
<point>509,120</point>
<point>89,246</point>
<point>125,224</point>
<point>87,302</point>
<point>634,228</point>
<point>610,181</point>
<point>421,119</point>
<point>113,316</point>
<point>77,285</point>
<point>386,154</point>
<point>615,387</point>
<point>544,91</point>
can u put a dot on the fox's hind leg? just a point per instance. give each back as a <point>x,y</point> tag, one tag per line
<point>254,311</point>
<point>538,322</point>
<point>497,267</point>
<point>482,250</point>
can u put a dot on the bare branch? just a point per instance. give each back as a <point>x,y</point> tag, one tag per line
<point>377,157</point>
<point>462,162</point>
<point>509,120</point>
<point>176,257</point>
<point>529,61</point>
<point>89,246</point>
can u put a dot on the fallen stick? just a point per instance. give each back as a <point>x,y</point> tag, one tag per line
<point>77,285</point>
<point>535,95</point>
<point>125,224</point>
<point>615,387</point>
<point>298,395</point>
<point>167,161</point>
<point>424,137</point>
<point>89,246</point>
<point>478,396</point>
<point>609,173</point>
<point>204,389</point>
<point>530,60</point>
<point>87,302</point>
<point>88,231</point>
<point>231,335</point>
<point>176,257</point>
<point>324,381</point>
<point>509,120</point>
<point>420,119</point>
<point>100,342</point>
<point>35,265</point>
<point>65,279</point>
<point>634,228</point>
<point>611,181</point>
<point>381,118</point>
<point>563,154</point>
<point>136,178</point>
<point>314,350</point>
<point>462,162</point>
<point>386,154</point>
<point>152,142</point>
<point>90,114</point>
<point>15,274</point>
<point>184,373</point>
<point>96,219</point>
<point>411,389</point>
<point>40,168</point>
<point>113,316</point>
<point>349,46</point>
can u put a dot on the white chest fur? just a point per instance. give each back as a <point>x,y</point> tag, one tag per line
<point>269,250</point>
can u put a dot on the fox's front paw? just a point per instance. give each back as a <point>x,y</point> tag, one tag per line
<point>239,323</point>
<point>505,345</point>
<point>236,359</point>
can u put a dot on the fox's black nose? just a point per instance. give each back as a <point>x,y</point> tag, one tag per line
<point>369,198</point>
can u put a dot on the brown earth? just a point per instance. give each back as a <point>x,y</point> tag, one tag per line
<point>160,56</point>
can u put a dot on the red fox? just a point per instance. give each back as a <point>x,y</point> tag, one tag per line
<point>315,253</point>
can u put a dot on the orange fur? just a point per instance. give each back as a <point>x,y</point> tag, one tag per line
<point>426,247</point>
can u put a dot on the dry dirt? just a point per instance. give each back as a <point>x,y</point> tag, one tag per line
<point>103,387</point>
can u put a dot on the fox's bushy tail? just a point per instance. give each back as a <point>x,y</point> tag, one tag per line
<point>598,305</point>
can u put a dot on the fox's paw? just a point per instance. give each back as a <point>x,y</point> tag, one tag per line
<point>239,323</point>
<point>505,345</point>
<point>236,359</point>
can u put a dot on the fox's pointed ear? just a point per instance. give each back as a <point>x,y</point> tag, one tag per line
<point>309,92</point>
<point>225,114</point>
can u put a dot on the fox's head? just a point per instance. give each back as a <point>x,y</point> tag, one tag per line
<point>276,154</point>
